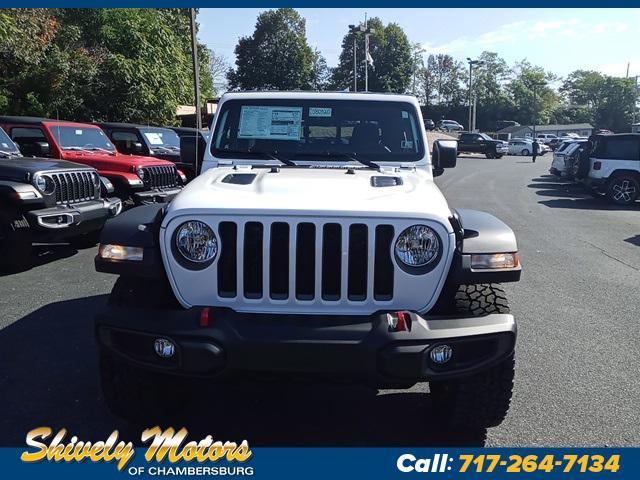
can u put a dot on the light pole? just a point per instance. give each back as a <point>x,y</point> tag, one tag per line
<point>471,64</point>
<point>196,76</point>
<point>367,31</point>
<point>415,66</point>
<point>534,86</point>
<point>354,31</point>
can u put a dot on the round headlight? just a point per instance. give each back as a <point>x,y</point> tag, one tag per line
<point>417,246</point>
<point>41,183</point>
<point>196,242</point>
<point>140,173</point>
<point>45,184</point>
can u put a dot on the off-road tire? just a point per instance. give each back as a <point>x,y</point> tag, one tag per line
<point>480,299</point>
<point>490,155</point>
<point>135,394</point>
<point>480,400</point>
<point>623,189</point>
<point>15,246</point>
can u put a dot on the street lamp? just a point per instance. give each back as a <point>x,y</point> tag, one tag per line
<point>472,127</point>
<point>415,66</point>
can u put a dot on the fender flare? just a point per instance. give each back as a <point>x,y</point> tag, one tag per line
<point>138,227</point>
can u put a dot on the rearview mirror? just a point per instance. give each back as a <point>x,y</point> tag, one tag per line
<point>445,155</point>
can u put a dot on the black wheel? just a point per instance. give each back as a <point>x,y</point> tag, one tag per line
<point>15,245</point>
<point>499,155</point>
<point>490,155</point>
<point>481,400</point>
<point>623,189</point>
<point>135,394</point>
<point>524,152</point>
<point>87,240</point>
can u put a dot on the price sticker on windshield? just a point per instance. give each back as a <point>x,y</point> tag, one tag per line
<point>320,112</point>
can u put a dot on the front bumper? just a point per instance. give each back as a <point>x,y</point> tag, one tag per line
<point>502,149</point>
<point>156,195</point>
<point>72,219</point>
<point>362,349</point>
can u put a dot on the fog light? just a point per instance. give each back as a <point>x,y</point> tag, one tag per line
<point>164,348</point>
<point>441,354</point>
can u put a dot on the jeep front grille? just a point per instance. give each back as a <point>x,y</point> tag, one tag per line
<point>307,261</point>
<point>74,187</point>
<point>160,177</point>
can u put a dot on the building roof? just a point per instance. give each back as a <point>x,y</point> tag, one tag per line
<point>513,128</point>
<point>567,126</point>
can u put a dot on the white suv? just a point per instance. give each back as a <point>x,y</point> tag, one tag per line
<point>315,244</point>
<point>613,166</point>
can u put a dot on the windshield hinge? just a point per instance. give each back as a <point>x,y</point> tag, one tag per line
<point>244,168</point>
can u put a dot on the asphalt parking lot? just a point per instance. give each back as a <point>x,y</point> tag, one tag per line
<point>578,358</point>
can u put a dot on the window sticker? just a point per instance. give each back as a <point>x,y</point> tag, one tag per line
<point>405,114</point>
<point>270,123</point>
<point>78,132</point>
<point>406,144</point>
<point>320,112</point>
<point>154,138</point>
<point>4,145</point>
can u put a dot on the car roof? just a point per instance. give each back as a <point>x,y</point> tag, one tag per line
<point>619,135</point>
<point>311,95</point>
<point>126,125</point>
<point>42,121</point>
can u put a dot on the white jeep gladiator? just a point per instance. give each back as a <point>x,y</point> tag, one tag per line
<point>314,244</point>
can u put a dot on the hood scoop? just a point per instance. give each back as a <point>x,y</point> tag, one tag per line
<point>239,178</point>
<point>380,181</point>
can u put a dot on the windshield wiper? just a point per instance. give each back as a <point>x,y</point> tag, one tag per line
<point>353,157</point>
<point>269,155</point>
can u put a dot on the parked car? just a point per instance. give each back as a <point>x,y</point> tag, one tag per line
<point>545,137</point>
<point>520,146</point>
<point>561,166</point>
<point>44,200</point>
<point>135,178</point>
<point>450,126</point>
<point>611,167</point>
<point>481,143</point>
<point>554,143</point>
<point>193,144</point>
<point>254,270</point>
<point>429,124</point>
<point>158,142</point>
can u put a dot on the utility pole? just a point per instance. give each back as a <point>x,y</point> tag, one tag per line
<point>472,126</point>
<point>354,31</point>
<point>534,86</point>
<point>416,54</point>
<point>367,31</point>
<point>196,78</point>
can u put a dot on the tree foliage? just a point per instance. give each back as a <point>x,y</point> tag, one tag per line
<point>99,64</point>
<point>391,52</point>
<point>277,55</point>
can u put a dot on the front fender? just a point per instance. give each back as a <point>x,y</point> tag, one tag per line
<point>138,227</point>
<point>481,233</point>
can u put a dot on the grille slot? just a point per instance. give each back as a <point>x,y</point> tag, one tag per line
<point>74,187</point>
<point>252,273</point>
<point>305,261</point>
<point>160,176</point>
<point>279,261</point>
<point>358,250</point>
<point>227,264</point>
<point>331,261</point>
<point>383,271</point>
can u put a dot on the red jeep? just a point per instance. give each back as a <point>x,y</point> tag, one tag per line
<point>140,179</point>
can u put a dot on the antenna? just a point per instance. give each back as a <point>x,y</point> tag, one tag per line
<point>58,132</point>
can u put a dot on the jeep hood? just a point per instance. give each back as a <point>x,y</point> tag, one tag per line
<point>23,168</point>
<point>313,191</point>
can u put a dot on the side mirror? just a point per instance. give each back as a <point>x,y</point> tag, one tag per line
<point>445,155</point>
<point>188,149</point>
<point>41,149</point>
<point>137,149</point>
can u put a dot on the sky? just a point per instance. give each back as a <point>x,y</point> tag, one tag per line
<point>560,40</point>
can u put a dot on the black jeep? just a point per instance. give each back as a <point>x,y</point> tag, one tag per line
<point>43,200</point>
<point>481,143</point>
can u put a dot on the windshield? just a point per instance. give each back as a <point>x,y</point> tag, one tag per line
<point>6,144</point>
<point>81,138</point>
<point>161,138</point>
<point>317,130</point>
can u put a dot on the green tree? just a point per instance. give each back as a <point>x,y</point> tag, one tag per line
<point>277,55</point>
<point>100,64</point>
<point>393,63</point>
<point>530,108</point>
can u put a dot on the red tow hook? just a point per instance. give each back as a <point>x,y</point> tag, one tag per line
<point>204,317</point>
